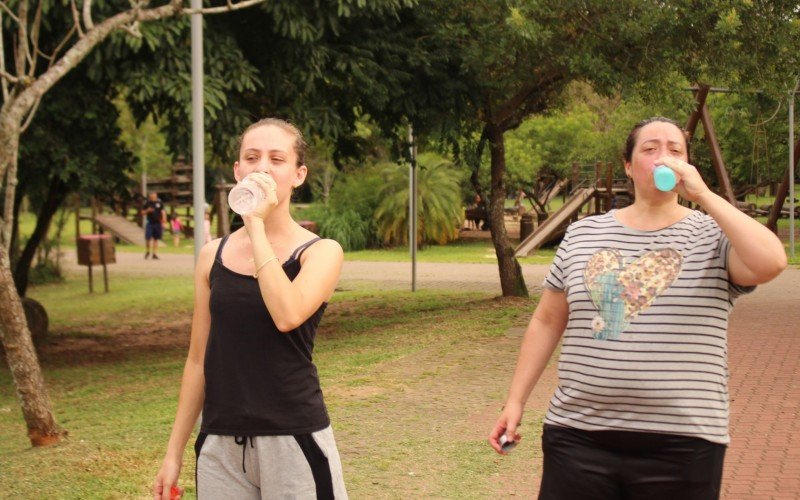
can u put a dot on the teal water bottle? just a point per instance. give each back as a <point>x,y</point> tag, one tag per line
<point>664,178</point>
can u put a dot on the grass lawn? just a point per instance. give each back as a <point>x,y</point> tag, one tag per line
<point>413,383</point>
<point>472,252</point>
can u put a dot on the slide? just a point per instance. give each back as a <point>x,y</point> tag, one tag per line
<point>551,226</point>
<point>121,228</point>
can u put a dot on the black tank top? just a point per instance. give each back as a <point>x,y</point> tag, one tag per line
<point>258,380</point>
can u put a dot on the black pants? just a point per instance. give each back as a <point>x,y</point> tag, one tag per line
<point>605,465</point>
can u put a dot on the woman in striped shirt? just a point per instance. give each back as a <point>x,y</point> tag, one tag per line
<point>640,298</point>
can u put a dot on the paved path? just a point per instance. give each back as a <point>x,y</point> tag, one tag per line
<point>383,275</point>
<point>763,460</point>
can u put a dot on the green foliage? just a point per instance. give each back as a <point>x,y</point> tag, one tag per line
<point>347,228</point>
<point>146,142</point>
<point>358,191</point>
<point>74,138</point>
<point>48,260</point>
<point>521,59</point>
<point>322,172</point>
<point>548,144</point>
<point>440,209</point>
<point>752,131</point>
<point>156,74</point>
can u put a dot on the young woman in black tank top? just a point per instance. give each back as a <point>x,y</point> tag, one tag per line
<point>259,295</point>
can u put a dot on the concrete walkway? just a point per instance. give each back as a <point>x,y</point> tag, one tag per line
<point>355,274</point>
<point>763,460</point>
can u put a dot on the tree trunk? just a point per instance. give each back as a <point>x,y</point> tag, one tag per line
<point>8,205</point>
<point>14,333</point>
<point>24,365</point>
<point>13,250</point>
<point>56,194</point>
<point>474,178</point>
<point>511,280</point>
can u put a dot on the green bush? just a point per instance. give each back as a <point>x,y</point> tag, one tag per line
<point>440,210</point>
<point>46,272</point>
<point>350,213</point>
<point>348,228</point>
<point>359,191</point>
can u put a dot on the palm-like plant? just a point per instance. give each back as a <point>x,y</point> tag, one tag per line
<point>439,194</point>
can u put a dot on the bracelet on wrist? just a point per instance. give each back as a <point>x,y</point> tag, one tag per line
<point>255,274</point>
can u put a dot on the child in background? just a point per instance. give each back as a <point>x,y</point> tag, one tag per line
<point>177,228</point>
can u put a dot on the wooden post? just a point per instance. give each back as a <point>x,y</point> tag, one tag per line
<point>701,114</point>
<point>782,192</point>
<point>700,95</point>
<point>716,156</point>
<point>91,283</point>
<point>94,214</point>
<point>598,169</point>
<point>77,215</point>
<point>223,221</point>
<point>576,173</point>
<point>609,185</point>
<point>103,261</point>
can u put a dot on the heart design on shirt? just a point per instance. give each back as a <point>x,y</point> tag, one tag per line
<point>620,291</point>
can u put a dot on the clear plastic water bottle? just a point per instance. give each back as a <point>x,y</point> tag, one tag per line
<point>664,178</point>
<point>245,196</point>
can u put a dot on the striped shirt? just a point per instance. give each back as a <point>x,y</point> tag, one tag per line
<point>645,347</point>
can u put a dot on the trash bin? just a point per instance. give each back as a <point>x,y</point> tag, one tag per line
<point>96,249</point>
<point>541,217</point>
<point>525,226</point>
<point>93,250</point>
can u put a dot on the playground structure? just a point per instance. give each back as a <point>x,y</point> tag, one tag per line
<point>123,220</point>
<point>588,183</point>
<point>583,192</point>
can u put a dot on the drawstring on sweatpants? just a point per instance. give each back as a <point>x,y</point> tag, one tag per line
<point>242,441</point>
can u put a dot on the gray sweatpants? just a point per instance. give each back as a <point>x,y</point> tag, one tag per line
<point>306,466</point>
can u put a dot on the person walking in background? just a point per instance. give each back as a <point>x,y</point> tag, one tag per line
<point>177,228</point>
<point>260,294</point>
<point>642,297</point>
<point>156,218</point>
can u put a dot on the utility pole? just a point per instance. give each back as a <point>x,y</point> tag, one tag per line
<point>791,171</point>
<point>198,147</point>
<point>412,206</point>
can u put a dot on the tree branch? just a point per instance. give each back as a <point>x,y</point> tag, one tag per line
<point>52,57</point>
<point>87,15</point>
<point>31,114</point>
<point>588,29</point>
<point>76,17</point>
<point>507,110</point>
<point>4,77</point>
<point>21,52</point>
<point>228,8</point>
<point>25,100</point>
<point>33,53</point>
<point>8,10</point>
<point>8,78</point>
<point>132,30</point>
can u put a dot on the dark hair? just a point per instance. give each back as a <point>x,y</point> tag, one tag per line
<point>300,146</point>
<point>634,135</point>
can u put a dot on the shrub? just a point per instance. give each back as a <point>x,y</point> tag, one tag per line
<point>348,228</point>
<point>440,210</point>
